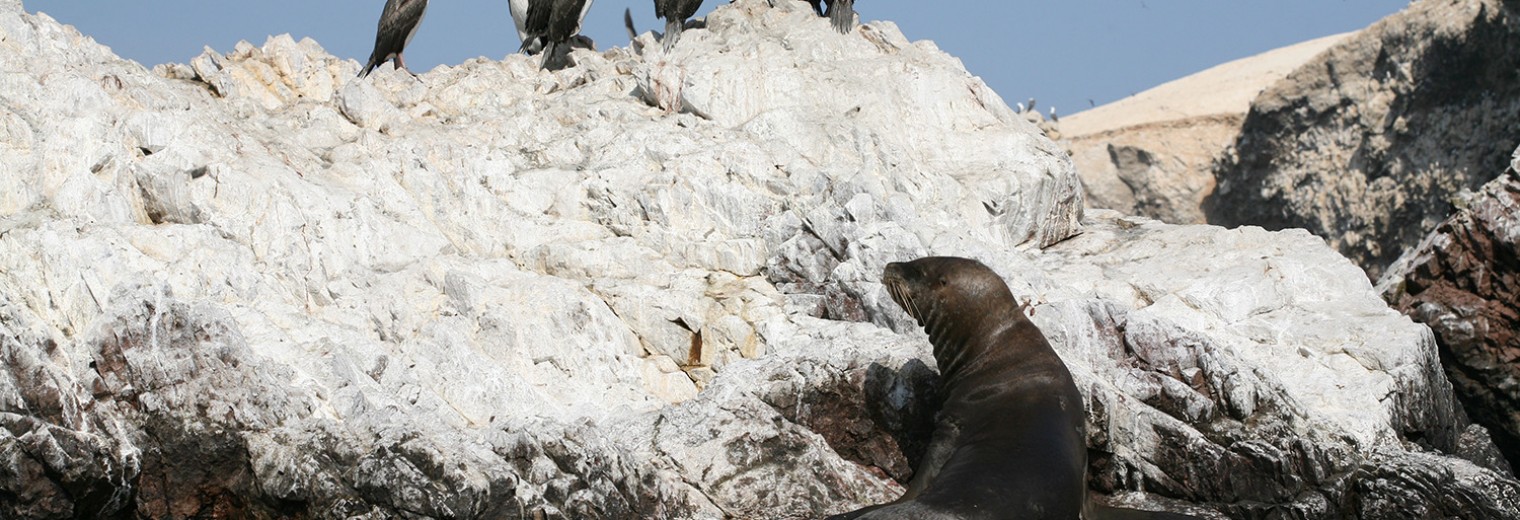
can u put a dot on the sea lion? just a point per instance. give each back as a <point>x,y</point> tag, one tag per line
<point>398,24</point>
<point>1009,439</point>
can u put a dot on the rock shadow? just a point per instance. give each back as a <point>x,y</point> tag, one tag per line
<point>877,416</point>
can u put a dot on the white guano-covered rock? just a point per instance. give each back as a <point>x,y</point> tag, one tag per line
<point>393,267</point>
<point>645,286</point>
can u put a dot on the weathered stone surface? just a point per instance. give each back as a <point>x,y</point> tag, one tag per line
<point>1369,144</point>
<point>1464,282</point>
<point>1161,171</point>
<point>442,297</point>
<point>1251,354</point>
<point>495,293</point>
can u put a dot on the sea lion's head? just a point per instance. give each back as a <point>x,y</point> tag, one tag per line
<point>944,292</point>
<point>966,308</point>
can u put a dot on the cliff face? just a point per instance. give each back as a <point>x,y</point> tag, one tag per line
<point>644,286</point>
<point>1368,145</point>
<point>1464,282</point>
<point>1154,153</point>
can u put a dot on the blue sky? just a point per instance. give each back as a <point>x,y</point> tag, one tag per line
<point>1067,54</point>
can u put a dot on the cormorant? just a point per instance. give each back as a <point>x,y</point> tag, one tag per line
<point>398,23</point>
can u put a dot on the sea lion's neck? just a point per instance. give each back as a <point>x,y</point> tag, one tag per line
<point>1010,346</point>
<point>961,345</point>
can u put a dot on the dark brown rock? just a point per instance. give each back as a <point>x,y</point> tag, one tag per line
<point>1464,282</point>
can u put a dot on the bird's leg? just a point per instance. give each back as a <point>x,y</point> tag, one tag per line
<point>400,64</point>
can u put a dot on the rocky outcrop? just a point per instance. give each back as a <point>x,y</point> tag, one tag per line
<point>1160,171</point>
<point>1153,153</point>
<point>645,286</point>
<point>1245,354</point>
<point>1464,282</point>
<point>251,285</point>
<point>1369,144</point>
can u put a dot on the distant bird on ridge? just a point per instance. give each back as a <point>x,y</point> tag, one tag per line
<point>398,23</point>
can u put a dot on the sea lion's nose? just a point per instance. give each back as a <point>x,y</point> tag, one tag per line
<point>894,271</point>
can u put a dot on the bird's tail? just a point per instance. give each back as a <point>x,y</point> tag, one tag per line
<point>673,28</point>
<point>842,15</point>
<point>532,46</point>
<point>557,56</point>
<point>633,34</point>
<point>369,67</point>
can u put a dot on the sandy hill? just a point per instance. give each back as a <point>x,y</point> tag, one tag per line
<point>1223,90</point>
<point>1152,153</point>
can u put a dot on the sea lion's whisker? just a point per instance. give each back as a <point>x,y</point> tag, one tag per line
<point>894,287</point>
<point>904,298</point>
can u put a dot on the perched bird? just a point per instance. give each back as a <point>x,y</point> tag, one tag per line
<point>841,13</point>
<point>556,24</point>
<point>532,45</point>
<point>1053,117</point>
<point>398,23</point>
<point>675,13</point>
